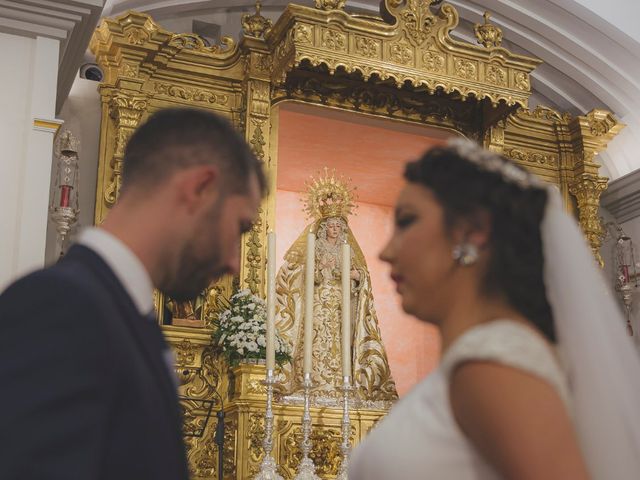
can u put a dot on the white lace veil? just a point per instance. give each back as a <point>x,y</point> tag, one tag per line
<point>602,364</point>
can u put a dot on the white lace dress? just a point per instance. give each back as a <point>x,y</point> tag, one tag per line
<point>420,438</point>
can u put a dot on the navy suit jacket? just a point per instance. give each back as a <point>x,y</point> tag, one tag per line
<point>84,390</point>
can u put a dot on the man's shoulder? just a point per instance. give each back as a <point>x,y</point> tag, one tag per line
<point>67,282</point>
<point>72,277</point>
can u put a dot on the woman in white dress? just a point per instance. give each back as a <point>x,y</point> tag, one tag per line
<point>538,379</point>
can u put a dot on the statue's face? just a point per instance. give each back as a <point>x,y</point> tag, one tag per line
<point>334,229</point>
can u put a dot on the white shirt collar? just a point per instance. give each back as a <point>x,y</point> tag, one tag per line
<point>125,264</point>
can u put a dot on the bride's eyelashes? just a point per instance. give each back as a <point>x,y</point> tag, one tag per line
<point>403,220</point>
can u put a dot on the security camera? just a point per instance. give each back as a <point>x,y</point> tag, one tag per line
<point>91,71</point>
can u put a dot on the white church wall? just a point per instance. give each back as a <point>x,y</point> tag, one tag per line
<point>621,155</point>
<point>14,59</point>
<point>27,126</point>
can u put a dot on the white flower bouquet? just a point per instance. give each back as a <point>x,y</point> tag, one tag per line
<point>241,332</point>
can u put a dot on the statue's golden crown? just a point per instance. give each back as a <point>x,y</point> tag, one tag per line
<point>329,196</point>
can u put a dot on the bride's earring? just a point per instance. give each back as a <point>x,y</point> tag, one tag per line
<point>465,254</point>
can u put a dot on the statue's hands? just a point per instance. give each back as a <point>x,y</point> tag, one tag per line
<point>355,275</point>
<point>326,262</point>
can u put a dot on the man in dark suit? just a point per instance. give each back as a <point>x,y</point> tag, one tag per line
<point>88,389</point>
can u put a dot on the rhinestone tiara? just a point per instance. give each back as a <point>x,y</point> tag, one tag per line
<point>492,162</point>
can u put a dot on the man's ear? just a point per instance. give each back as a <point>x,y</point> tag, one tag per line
<point>197,185</point>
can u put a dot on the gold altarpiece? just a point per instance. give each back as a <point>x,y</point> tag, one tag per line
<point>402,65</point>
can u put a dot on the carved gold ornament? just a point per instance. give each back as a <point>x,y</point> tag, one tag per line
<point>532,157</point>
<point>253,255</point>
<point>433,61</point>
<point>600,123</point>
<point>465,68</point>
<point>256,25</point>
<point>367,47</point>
<point>488,34</point>
<point>414,48</point>
<point>496,75</point>
<point>419,20</point>
<point>191,41</point>
<point>137,36</point>
<point>330,4</point>
<point>402,53</point>
<point>195,95</point>
<point>522,81</point>
<point>334,40</point>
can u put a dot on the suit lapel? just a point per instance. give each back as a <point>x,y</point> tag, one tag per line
<point>141,330</point>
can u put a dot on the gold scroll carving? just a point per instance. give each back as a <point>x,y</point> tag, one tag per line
<point>126,111</point>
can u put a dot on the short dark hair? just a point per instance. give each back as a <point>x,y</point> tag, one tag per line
<point>516,265</point>
<point>175,138</point>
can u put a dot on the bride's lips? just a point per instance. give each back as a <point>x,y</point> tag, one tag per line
<point>398,279</point>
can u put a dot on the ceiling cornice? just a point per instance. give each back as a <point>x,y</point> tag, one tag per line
<point>622,198</point>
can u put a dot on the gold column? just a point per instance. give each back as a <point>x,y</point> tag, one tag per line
<point>587,189</point>
<point>257,129</point>
<point>590,135</point>
<point>200,374</point>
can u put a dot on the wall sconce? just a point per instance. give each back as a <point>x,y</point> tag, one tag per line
<point>625,268</point>
<point>64,208</point>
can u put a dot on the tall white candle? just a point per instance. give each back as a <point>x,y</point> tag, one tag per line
<point>308,301</point>
<point>346,310</point>
<point>271,301</point>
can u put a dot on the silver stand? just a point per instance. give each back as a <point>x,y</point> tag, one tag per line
<point>64,218</point>
<point>306,469</point>
<point>346,429</point>
<point>268,467</point>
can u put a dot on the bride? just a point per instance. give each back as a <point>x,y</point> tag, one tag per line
<point>538,379</point>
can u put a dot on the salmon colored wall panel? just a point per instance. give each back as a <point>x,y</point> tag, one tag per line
<point>372,152</point>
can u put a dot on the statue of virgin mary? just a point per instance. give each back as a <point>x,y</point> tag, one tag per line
<point>329,203</point>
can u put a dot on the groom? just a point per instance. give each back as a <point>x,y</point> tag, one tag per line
<point>88,387</point>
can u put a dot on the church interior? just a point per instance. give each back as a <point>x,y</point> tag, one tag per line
<point>334,97</point>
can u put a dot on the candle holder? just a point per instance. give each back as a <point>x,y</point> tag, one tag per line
<point>625,268</point>
<point>306,469</point>
<point>346,429</point>
<point>268,467</point>
<point>63,206</point>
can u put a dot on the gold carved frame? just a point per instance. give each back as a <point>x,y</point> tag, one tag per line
<point>402,65</point>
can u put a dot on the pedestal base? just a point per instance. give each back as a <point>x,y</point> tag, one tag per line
<point>307,470</point>
<point>268,470</point>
